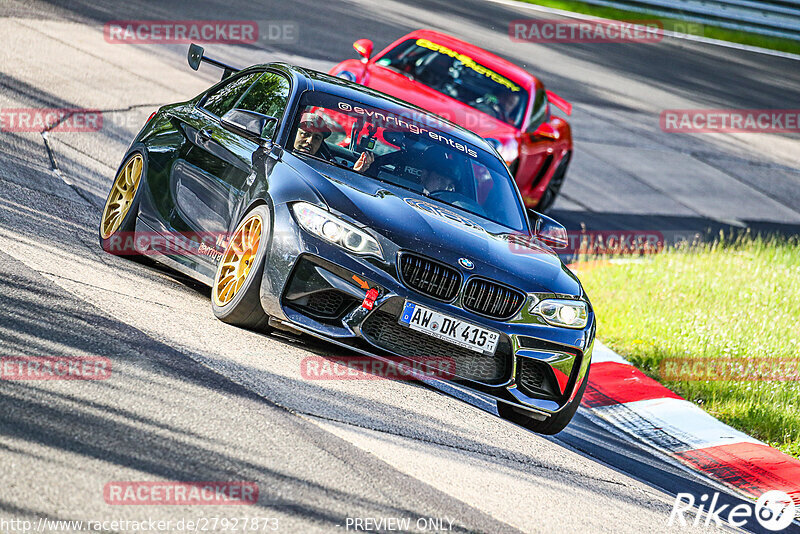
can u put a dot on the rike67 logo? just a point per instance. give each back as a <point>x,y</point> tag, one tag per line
<point>775,510</point>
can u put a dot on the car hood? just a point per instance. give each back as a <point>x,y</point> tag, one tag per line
<point>419,94</point>
<point>420,224</point>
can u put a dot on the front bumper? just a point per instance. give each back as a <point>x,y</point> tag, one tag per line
<point>318,288</point>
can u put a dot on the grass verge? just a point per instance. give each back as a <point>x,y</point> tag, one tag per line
<point>733,300</point>
<point>712,32</point>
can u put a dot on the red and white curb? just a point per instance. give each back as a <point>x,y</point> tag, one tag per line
<point>639,406</point>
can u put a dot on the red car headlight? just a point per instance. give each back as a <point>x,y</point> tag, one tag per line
<point>508,149</point>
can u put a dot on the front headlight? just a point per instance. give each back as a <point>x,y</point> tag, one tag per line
<point>324,224</point>
<point>563,312</point>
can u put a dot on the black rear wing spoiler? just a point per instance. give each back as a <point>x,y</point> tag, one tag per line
<point>196,57</point>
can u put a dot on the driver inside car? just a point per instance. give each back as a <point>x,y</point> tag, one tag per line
<point>504,106</point>
<point>434,164</point>
<point>310,139</point>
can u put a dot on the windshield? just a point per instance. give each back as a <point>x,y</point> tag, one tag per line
<point>459,76</point>
<point>408,149</point>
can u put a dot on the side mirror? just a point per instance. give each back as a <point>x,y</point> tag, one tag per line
<point>548,230</point>
<point>546,130</point>
<point>249,123</point>
<point>364,48</point>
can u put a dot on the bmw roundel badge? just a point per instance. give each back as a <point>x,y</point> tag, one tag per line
<point>466,263</point>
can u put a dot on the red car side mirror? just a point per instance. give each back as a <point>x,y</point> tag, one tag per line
<point>364,48</point>
<point>546,130</point>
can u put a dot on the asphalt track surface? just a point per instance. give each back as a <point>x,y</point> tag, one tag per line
<point>193,399</point>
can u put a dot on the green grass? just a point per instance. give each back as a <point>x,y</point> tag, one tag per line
<point>713,32</point>
<point>737,299</point>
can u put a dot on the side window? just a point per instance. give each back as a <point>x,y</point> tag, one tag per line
<point>539,111</point>
<point>223,98</point>
<point>268,95</point>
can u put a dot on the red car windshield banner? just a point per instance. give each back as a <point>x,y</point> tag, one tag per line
<point>470,63</point>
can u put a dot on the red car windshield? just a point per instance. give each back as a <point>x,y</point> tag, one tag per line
<point>410,150</point>
<point>460,77</point>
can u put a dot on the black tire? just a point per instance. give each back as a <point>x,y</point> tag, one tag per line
<point>244,308</point>
<point>551,425</point>
<point>118,237</point>
<point>554,187</point>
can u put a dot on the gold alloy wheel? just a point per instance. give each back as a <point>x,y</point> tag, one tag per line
<point>121,197</point>
<point>237,260</point>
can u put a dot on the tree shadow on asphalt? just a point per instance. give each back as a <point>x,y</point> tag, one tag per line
<point>66,420</point>
<point>80,420</point>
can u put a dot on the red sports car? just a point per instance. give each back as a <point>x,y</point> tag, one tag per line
<point>479,91</point>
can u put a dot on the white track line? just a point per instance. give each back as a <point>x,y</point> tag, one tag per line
<point>601,353</point>
<point>675,425</point>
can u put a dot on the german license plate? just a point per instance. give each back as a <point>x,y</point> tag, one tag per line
<point>449,329</point>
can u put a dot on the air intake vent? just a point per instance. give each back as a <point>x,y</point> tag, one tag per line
<point>327,303</point>
<point>491,299</point>
<point>429,277</point>
<point>536,379</point>
<point>530,377</point>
